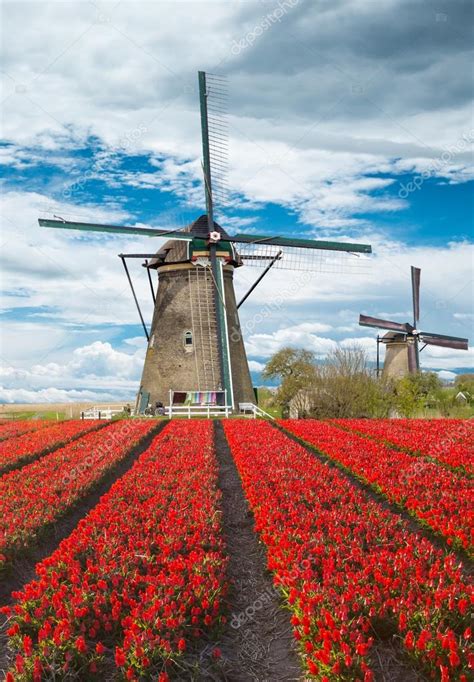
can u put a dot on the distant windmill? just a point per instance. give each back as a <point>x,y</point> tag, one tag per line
<point>195,348</point>
<point>402,355</point>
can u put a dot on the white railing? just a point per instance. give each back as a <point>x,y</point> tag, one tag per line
<point>102,412</point>
<point>198,411</point>
<point>254,410</point>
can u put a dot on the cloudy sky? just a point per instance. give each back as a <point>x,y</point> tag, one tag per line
<point>348,119</point>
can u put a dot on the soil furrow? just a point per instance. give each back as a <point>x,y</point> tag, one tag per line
<point>257,645</point>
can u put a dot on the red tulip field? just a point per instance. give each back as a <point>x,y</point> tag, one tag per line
<point>440,498</point>
<point>449,441</point>
<point>19,427</point>
<point>27,446</point>
<point>239,549</point>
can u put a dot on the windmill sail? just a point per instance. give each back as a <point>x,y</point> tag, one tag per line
<point>443,341</point>
<point>415,288</point>
<point>413,358</point>
<point>113,229</point>
<point>214,133</point>
<point>304,259</point>
<point>303,254</point>
<point>367,321</point>
<point>217,108</point>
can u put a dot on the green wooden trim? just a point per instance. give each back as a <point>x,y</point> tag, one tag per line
<point>301,243</point>
<point>206,157</point>
<point>115,229</point>
<point>243,238</point>
<point>224,333</point>
<point>199,244</point>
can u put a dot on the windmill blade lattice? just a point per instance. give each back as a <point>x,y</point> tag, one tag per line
<point>303,259</point>
<point>216,137</point>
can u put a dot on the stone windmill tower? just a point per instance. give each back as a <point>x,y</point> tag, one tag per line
<point>195,348</point>
<point>402,349</point>
<point>195,339</point>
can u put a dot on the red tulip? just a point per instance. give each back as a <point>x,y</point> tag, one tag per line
<point>145,566</point>
<point>362,563</point>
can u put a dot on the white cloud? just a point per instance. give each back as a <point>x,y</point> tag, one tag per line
<point>442,358</point>
<point>255,366</point>
<point>92,372</point>
<point>265,345</point>
<point>402,315</point>
<point>136,342</point>
<point>75,279</point>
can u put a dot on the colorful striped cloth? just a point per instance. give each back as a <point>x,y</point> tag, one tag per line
<point>201,398</point>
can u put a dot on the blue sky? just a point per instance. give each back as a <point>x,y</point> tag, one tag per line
<point>442,212</point>
<point>341,126</point>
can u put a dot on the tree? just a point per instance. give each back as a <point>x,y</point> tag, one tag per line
<point>343,386</point>
<point>347,388</point>
<point>267,400</point>
<point>465,384</point>
<point>414,391</point>
<point>445,401</point>
<point>288,362</point>
<point>296,370</point>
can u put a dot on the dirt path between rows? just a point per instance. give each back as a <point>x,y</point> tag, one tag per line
<point>257,645</point>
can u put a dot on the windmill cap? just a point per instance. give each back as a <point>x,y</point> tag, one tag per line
<point>178,251</point>
<point>392,336</point>
<point>200,228</point>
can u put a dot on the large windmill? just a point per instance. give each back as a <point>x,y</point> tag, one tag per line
<point>195,348</point>
<point>402,354</point>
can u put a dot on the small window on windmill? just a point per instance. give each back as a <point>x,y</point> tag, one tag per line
<point>188,341</point>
